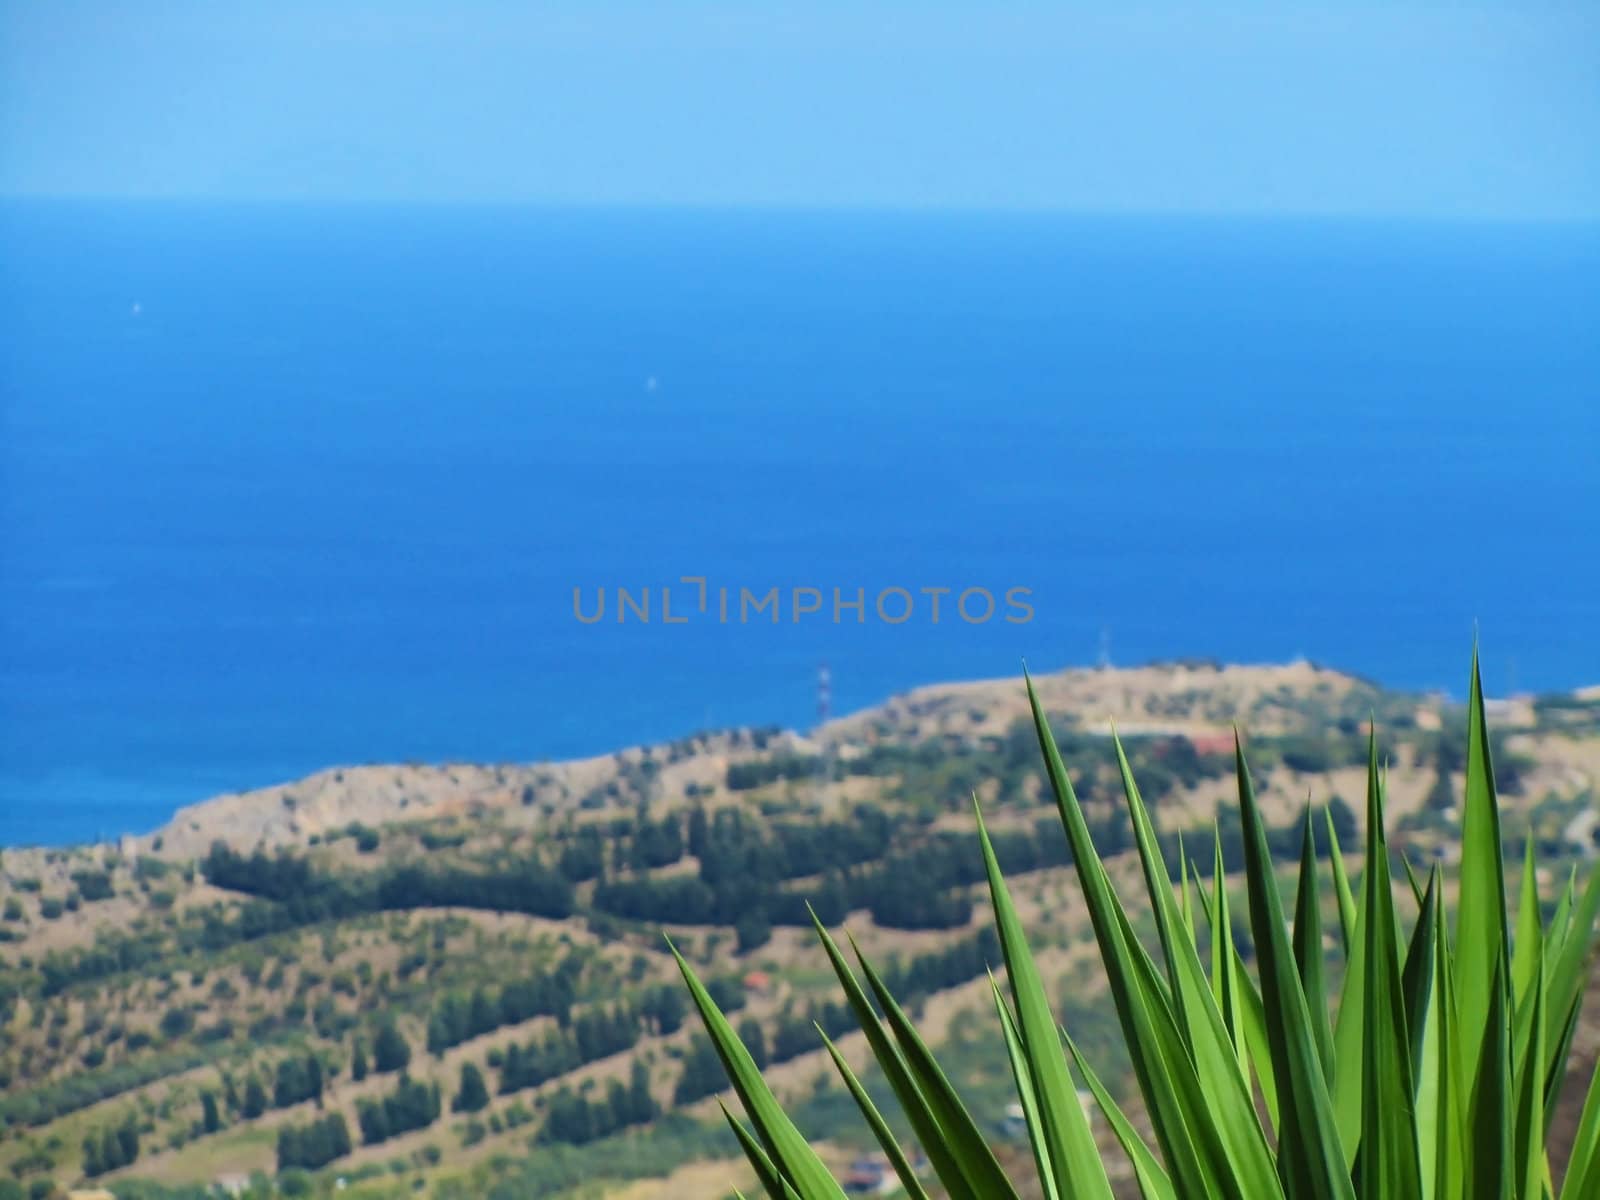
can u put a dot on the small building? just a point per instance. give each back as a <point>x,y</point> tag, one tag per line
<point>871,1176</point>
<point>1211,743</point>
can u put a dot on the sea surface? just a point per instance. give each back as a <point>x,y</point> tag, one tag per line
<point>288,488</point>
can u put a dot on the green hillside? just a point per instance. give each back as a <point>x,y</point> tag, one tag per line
<point>463,989</point>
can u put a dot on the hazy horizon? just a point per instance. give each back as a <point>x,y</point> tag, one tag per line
<point>819,209</point>
<point>1420,111</point>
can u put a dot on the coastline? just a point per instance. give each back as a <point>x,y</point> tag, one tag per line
<point>288,809</point>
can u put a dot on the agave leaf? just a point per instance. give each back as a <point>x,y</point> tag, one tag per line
<point>1527,952</point>
<point>1452,1103</point>
<point>1158,884</point>
<point>1489,1170</point>
<point>1308,954</point>
<point>1341,887</point>
<point>1185,897</point>
<point>1583,1166</point>
<point>961,1133</point>
<point>1073,1156</point>
<point>1311,1156</point>
<point>790,1153</point>
<point>1224,973</point>
<point>1425,982</point>
<point>1257,1038</point>
<point>1528,1132</point>
<point>1568,973</point>
<point>1154,1045</point>
<point>1255,1049</point>
<point>912,1102</point>
<point>1411,878</point>
<point>1555,1076</point>
<point>1349,1039</point>
<point>1027,1095</point>
<point>1481,943</point>
<point>1389,1168</point>
<point>775,1185</point>
<point>880,1127</point>
<point>1221,1093</point>
<point>1555,933</point>
<point>1147,1169</point>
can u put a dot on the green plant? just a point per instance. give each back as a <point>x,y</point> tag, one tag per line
<point>1434,1077</point>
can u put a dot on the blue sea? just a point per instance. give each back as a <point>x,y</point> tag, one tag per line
<point>283,488</point>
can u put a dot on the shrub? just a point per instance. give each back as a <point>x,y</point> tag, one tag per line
<point>176,1022</point>
<point>93,885</point>
<point>1434,1078</point>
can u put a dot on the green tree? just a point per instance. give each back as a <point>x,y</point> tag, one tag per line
<point>702,1072</point>
<point>211,1119</point>
<point>753,931</point>
<point>641,1106</point>
<point>358,1062</point>
<point>472,1096</point>
<point>255,1099</point>
<point>390,1051</point>
<point>754,1040</point>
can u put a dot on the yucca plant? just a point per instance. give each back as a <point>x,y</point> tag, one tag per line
<point>1433,1077</point>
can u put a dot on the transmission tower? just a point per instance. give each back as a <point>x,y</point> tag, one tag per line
<point>824,747</point>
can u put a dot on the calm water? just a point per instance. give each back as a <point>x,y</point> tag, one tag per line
<point>286,489</point>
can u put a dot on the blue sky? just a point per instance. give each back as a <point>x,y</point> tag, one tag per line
<point>1452,110</point>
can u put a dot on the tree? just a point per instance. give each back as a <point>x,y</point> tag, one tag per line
<point>446,1025</point>
<point>314,1145</point>
<point>111,1149</point>
<point>211,1119</point>
<point>472,1096</point>
<point>483,1014</point>
<point>702,1072</point>
<point>298,1079</point>
<point>390,1051</point>
<point>641,1105</point>
<point>412,1105</point>
<point>176,1022</point>
<point>583,858</point>
<point>755,1041</point>
<point>374,1124</point>
<point>753,931</point>
<point>290,1086</point>
<point>255,1099</point>
<point>358,1062</point>
<point>1441,796</point>
<point>665,1007</point>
